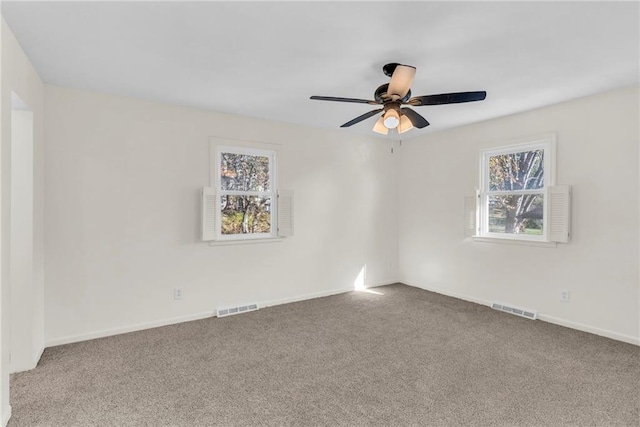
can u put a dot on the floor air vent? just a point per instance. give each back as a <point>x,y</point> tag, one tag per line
<point>517,311</point>
<point>222,312</point>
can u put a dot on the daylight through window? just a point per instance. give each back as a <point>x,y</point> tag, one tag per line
<point>513,195</point>
<point>246,192</point>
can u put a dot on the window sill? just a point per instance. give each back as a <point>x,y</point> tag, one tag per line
<point>514,242</point>
<point>245,241</point>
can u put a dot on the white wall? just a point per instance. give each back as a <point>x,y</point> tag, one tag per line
<point>18,75</point>
<point>123,179</point>
<point>597,154</point>
<point>21,240</point>
<point>122,216</point>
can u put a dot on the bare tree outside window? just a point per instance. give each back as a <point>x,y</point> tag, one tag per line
<point>515,196</point>
<point>245,185</point>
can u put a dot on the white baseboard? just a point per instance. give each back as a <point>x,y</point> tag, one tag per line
<point>31,364</point>
<point>148,325</point>
<point>38,356</point>
<point>541,316</point>
<point>590,329</point>
<point>384,283</point>
<point>448,293</point>
<point>131,328</point>
<point>304,297</point>
<point>319,294</point>
<point>6,416</point>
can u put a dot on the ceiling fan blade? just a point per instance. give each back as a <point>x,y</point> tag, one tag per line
<point>447,98</point>
<point>333,98</point>
<point>401,80</point>
<point>416,119</point>
<point>361,118</point>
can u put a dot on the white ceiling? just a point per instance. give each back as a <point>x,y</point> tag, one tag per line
<point>265,59</point>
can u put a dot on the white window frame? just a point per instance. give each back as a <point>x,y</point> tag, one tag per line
<point>546,143</point>
<point>272,193</point>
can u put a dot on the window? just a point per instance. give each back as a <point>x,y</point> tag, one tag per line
<point>243,203</point>
<point>246,187</point>
<point>514,191</point>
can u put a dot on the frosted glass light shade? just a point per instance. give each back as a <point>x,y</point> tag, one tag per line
<point>391,119</point>
<point>405,124</point>
<point>379,127</point>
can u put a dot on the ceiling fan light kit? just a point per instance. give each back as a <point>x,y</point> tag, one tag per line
<point>391,96</point>
<point>405,124</point>
<point>380,127</point>
<point>391,119</point>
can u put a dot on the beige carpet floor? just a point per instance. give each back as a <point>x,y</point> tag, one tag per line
<point>406,357</point>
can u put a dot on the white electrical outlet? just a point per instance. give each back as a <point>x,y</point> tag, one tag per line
<point>564,295</point>
<point>177,293</point>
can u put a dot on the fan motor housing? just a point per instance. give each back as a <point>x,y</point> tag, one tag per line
<point>392,105</point>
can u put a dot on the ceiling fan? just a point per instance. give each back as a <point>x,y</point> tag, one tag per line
<point>393,95</point>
